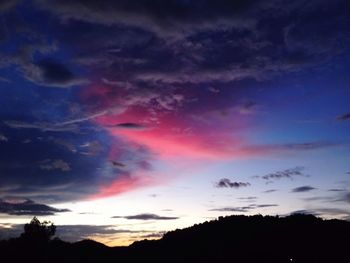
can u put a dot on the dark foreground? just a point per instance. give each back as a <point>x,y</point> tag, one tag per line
<point>297,238</point>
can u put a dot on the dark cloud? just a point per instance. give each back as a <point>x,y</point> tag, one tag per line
<point>309,145</point>
<point>232,209</point>
<point>118,164</point>
<point>320,198</point>
<point>46,72</point>
<point>147,216</point>
<point>185,42</point>
<point>227,183</point>
<point>249,198</point>
<point>344,117</point>
<point>288,148</point>
<point>247,208</point>
<point>265,205</point>
<point>28,207</point>
<point>287,173</point>
<point>49,72</point>
<point>337,190</point>
<point>173,16</point>
<point>178,17</point>
<point>32,57</point>
<point>270,191</point>
<point>7,5</point>
<point>301,189</point>
<point>129,125</point>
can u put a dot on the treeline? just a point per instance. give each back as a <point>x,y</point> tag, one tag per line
<point>241,239</point>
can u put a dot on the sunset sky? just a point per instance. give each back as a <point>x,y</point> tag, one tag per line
<point>120,120</point>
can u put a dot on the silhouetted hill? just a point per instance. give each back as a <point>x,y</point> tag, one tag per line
<point>296,238</point>
<point>89,244</point>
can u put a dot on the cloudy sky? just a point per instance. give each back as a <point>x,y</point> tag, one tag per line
<point>120,120</point>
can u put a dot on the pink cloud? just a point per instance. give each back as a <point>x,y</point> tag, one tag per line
<point>210,136</point>
<point>124,184</point>
<point>175,145</point>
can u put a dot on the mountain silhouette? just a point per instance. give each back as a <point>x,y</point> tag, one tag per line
<point>241,239</point>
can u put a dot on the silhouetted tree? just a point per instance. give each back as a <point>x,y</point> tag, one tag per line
<point>39,231</point>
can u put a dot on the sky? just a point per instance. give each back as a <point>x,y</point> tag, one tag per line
<point>121,120</point>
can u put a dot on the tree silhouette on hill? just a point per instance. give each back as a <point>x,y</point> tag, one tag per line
<point>38,231</point>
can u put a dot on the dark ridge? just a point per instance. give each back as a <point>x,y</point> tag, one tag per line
<point>241,239</point>
<point>89,243</point>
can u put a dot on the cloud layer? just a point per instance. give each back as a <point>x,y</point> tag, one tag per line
<point>227,183</point>
<point>28,207</point>
<point>243,209</point>
<point>147,216</point>
<point>302,189</point>
<point>288,173</point>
